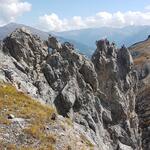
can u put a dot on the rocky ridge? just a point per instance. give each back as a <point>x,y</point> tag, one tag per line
<point>97,94</point>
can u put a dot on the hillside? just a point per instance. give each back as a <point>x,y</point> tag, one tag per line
<point>26,124</point>
<point>141,55</point>
<point>141,51</point>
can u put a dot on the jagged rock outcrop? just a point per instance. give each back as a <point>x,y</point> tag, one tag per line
<point>24,47</point>
<point>118,82</point>
<point>98,95</point>
<point>116,78</point>
<point>27,54</point>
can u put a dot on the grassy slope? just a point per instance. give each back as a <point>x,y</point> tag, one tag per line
<point>22,106</point>
<point>40,132</point>
<point>143,48</point>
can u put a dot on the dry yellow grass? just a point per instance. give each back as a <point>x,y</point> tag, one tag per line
<point>143,49</point>
<point>4,120</point>
<point>142,58</point>
<point>145,45</point>
<point>38,132</point>
<point>22,106</point>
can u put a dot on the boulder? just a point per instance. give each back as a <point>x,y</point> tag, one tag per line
<point>53,42</point>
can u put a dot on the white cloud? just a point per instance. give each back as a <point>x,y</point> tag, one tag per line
<point>147,7</point>
<point>11,9</point>
<point>53,22</point>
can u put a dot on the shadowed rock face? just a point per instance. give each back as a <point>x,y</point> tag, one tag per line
<point>98,94</point>
<point>116,78</point>
<point>141,53</point>
<point>143,111</point>
<point>21,62</point>
<point>118,81</point>
<point>23,46</point>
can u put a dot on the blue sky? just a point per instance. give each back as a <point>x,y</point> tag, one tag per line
<point>69,8</point>
<point>59,15</point>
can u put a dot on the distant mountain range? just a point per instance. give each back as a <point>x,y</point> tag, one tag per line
<point>127,35</point>
<point>9,28</point>
<point>84,39</point>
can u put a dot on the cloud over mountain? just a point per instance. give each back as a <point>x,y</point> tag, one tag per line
<point>11,9</point>
<point>118,19</point>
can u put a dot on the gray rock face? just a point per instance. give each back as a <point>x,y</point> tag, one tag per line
<point>21,63</point>
<point>53,43</point>
<point>24,47</point>
<point>118,82</point>
<point>143,103</point>
<point>67,97</point>
<point>143,111</point>
<point>98,95</point>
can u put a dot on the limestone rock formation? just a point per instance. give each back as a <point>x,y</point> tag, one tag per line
<point>98,94</point>
<point>27,54</point>
<point>118,81</point>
